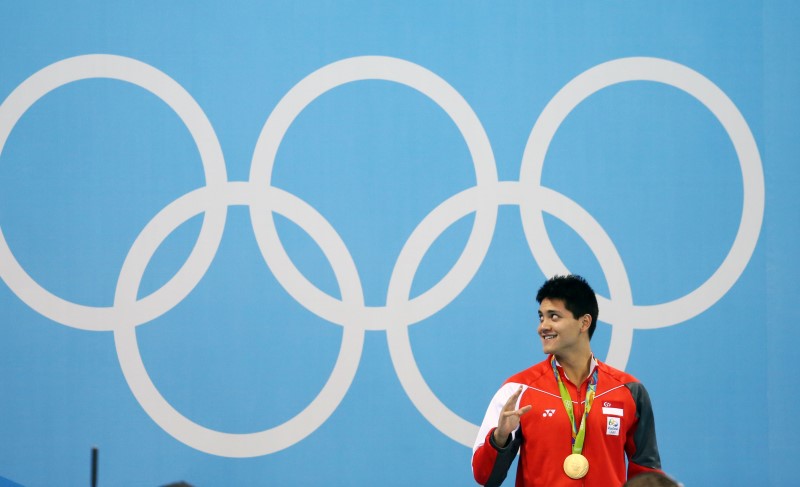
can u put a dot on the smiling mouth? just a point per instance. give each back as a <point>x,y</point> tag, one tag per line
<point>548,337</point>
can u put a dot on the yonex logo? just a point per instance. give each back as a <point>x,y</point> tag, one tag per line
<point>484,199</point>
<point>548,413</point>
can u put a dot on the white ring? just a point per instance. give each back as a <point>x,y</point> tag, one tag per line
<point>455,208</point>
<point>296,100</point>
<point>173,94</point>
<point>167,417</point>
<point>621,312</point>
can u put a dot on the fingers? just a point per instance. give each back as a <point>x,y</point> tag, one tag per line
<point>509,417</point>
<point>508,409</point>
<point>517,412</point>
<point>512,401</point>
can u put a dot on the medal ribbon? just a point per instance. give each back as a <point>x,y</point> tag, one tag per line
<point>578,434</point>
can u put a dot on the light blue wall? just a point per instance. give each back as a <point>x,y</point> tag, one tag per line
<point>123,123</point>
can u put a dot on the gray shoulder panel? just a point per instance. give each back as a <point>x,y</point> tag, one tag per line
<point>644,437</point>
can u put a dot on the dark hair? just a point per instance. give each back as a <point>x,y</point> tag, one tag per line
<point>575,292</point>
<point>651,479</point>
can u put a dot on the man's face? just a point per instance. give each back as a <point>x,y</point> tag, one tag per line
<point>559,330</point>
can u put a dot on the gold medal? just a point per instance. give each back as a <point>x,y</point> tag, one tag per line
<point>576,466</point>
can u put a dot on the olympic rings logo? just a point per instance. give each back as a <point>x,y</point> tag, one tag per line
<point>350,312</point>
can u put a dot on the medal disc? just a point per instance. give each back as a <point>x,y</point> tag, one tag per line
<point>576,466</point>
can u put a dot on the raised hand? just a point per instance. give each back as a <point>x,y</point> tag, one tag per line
<point>509,419</point>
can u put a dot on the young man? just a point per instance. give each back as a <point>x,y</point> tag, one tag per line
<point>573,419</point>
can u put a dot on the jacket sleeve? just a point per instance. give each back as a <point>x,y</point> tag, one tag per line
<point>641,446</point>
<point>490,463</point>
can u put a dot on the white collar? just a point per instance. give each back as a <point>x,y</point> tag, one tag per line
<point>592,365</point>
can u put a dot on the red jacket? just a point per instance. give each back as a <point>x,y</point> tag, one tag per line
<point>619,424</point>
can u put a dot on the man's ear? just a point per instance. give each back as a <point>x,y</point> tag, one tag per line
<point>586,322</point>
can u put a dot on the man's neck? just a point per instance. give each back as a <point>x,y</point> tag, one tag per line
<point>576,365</point>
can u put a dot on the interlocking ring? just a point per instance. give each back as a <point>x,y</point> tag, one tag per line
<point>350,311</point>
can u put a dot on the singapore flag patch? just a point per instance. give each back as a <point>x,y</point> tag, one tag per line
<point>613,408</point>
<point>613,425</point>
